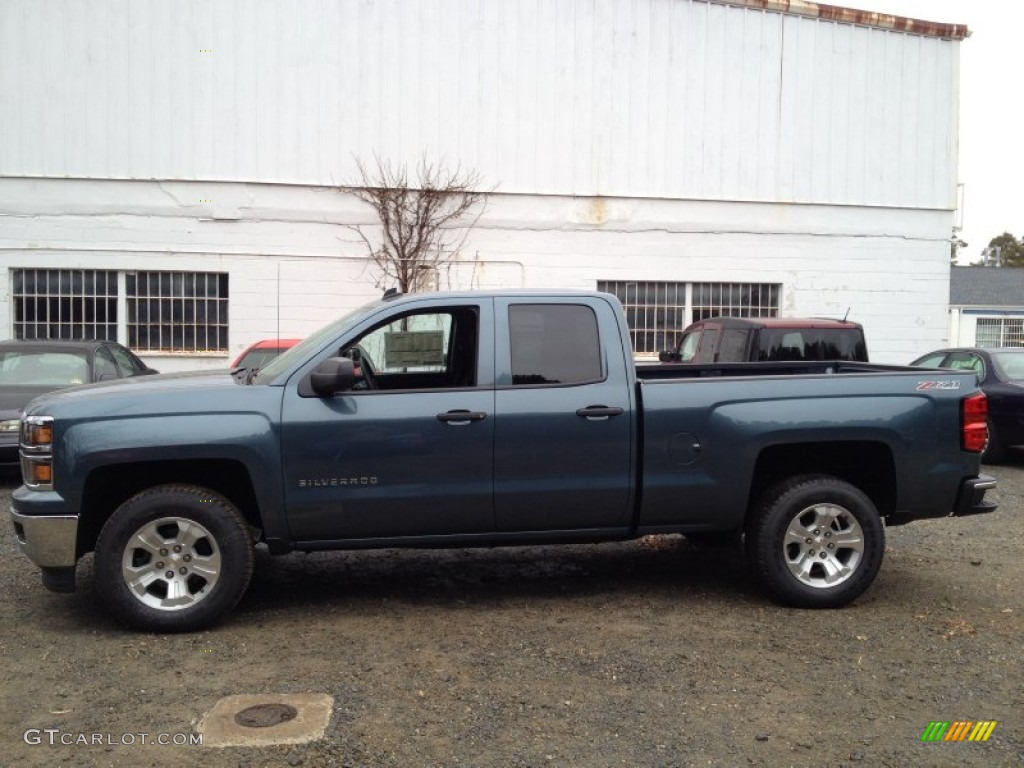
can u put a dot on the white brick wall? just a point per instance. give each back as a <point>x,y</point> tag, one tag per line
<point>294,263</point>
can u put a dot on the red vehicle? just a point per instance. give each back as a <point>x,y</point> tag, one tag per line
<point>262,352</point>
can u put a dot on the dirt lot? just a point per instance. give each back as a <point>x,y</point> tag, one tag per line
<point>644,654</point>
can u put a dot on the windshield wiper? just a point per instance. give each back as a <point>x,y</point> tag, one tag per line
<point>244,375</point>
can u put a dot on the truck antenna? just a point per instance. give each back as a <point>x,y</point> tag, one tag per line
<point>847,314</point>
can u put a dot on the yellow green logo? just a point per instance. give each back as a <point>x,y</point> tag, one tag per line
<point>959,730</point>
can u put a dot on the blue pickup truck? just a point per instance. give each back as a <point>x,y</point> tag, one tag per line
<point>478,419</point>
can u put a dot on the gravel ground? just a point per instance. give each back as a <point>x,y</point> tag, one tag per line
<point>651,653</point>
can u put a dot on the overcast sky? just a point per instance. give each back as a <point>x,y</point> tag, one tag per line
<point>991,109</point>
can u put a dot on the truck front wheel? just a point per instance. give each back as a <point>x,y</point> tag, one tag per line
<point>815,541</point>
<point>173,558</point>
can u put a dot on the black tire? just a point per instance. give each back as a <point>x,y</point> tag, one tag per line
<point>815,541</point>
<point>995,451</point>
<point>174,558</point>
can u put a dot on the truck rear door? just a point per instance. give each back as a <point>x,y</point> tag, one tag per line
<point>564,424</point>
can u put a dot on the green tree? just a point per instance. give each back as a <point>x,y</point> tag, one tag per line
<point>956,244</point>
<point>1010,251</point>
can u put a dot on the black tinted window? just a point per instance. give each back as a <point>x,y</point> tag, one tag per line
<point>706,353</point>
<point>105,366</point>
<point>781,344</point>
<point>129,366</point>
<point>733,348</point>
<point>554,344</point>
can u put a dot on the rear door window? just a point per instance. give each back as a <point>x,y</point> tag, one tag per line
<point>554,344</point>
<point>105,366</point>
<point>733,348</point>
<point>706,351</point>
<point>129,366</point>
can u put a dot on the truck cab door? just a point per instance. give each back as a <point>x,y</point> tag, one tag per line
<point>409,450</point>
<point>564,428</point>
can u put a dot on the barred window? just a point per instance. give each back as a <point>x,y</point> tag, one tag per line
<point>64,304</point>
<point>735,300</point>
<point>657,312</point>
<point>177,311</point>
<point>999,332</point>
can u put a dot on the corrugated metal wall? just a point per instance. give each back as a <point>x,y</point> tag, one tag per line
<point>678,99</point>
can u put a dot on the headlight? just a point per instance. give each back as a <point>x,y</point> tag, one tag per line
<point>37,452</point>
<point>37,433</point>
<point>8,426</point>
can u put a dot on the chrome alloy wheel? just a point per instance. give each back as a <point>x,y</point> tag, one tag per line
<point>823,545</point>
<point>171,563</point>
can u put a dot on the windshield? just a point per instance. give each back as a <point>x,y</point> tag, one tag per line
<point>1009,365</point>
<point>257,358</point>
<point>22,368</point>
<point>309,345</point>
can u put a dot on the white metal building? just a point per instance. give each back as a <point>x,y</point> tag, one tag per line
<point>169,171</point>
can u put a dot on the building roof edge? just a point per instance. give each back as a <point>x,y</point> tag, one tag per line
<point>845,15</point>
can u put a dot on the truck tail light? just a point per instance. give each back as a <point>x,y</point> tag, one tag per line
<point>974,423</point>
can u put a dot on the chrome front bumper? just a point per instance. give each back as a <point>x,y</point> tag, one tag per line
<point>49,542</point>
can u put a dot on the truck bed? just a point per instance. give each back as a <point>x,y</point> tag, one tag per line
<point>665,371</point>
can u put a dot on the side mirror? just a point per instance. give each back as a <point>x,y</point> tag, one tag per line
<point>335,374</point>
<point>668,356</point>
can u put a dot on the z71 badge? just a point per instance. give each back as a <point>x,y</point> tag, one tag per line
<point>944,384</point>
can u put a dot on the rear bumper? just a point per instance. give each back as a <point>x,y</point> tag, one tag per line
<point>971,499</point>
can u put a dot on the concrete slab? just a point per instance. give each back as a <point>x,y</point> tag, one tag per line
<point>312,715</point>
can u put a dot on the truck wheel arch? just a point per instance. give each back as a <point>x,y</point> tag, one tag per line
<point>868,465</point>
<point>109,486</point>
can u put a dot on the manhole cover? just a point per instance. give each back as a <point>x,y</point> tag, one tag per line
<point>266,715</point>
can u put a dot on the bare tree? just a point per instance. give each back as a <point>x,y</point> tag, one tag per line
<point>423,224</point>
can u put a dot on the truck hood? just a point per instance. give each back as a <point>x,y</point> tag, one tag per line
<point>164,393</point>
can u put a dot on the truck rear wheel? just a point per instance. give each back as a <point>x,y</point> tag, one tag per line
<point>815,541</point>
<point>173,558</point>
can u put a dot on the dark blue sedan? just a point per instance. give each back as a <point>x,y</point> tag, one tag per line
<point>1001,376</point>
